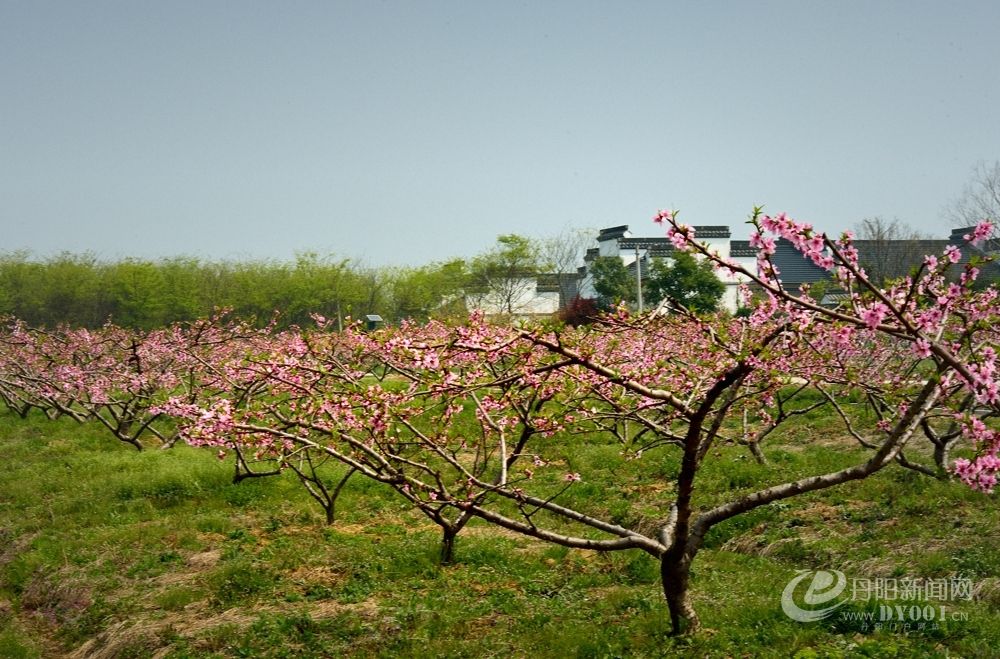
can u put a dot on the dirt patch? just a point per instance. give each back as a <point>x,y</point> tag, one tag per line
<point>351,529</point>
<point>195,564</point>
<point>330,609</point>
<point>479,531</point>
<point>204,560</point>
<point>820,510</point>
<point>316,574</point>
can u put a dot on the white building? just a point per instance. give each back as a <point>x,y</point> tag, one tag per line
<point>524,297</point>
<point>547,294</point>
<point>619,242</point>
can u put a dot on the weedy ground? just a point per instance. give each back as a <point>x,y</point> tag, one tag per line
<point>106,552</point>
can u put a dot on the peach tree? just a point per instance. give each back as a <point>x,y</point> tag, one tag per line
<point>489,422</point>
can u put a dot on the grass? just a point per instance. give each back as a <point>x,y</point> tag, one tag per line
<point>109,552</point>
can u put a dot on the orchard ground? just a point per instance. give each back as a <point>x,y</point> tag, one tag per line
<point>108,552</point>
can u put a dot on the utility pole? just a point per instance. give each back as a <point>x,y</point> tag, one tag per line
<point>638,279</point>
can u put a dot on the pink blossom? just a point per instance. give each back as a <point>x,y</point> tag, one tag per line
<point>765,244</point>
<point>874,315</point>
<point>681,235</point>
<point>663,216</point>
<point>979,473</point>
<point>980,233</point>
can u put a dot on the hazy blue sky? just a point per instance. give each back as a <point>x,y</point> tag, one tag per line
<point>406,132</point>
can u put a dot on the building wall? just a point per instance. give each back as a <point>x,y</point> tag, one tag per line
<point>530,301</point>
<point>610,246</point>
<point>526,300</point>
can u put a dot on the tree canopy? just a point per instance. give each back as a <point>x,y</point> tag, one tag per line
<point>500,276</point>
<point>612,281</point>
<point>685,280</point>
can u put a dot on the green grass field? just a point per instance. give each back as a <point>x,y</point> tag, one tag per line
<point>106,552</point>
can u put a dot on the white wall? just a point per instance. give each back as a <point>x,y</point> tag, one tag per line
<point>527,301</point>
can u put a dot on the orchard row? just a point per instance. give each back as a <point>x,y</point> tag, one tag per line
<point>476,420</point>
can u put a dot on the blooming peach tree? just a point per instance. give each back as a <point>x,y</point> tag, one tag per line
<point>485,422</point>
<point>116,376</point>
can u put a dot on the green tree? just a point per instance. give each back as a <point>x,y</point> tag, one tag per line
<point>183,299</point>
<point>138,294</point>
<point>612,281</point>
<point>255,289</point>
<point>431,291</point>
<point>500,278</point>
<point>687,280</point>
<point>22,293</point>
<point>317,285</point>
<point>70,287</point>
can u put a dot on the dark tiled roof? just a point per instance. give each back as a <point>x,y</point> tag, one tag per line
<point>793,268</point>
<point>924,247</point>
<point>741,248</point>
<point>887,258</point>
<point>611,233</point>
<point>664,252</point>
<point>957,237</point>
<point>713,231</point>
<point>646,243</point>
<point>553,282</point>
<point>898,257</point>
<point>718,231</point>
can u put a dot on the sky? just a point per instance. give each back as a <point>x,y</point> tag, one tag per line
<point>402,133</point>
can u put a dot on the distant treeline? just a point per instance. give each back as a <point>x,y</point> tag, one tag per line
<point>84,291</point>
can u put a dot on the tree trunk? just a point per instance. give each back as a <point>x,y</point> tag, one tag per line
<point>449,531</point>
<point>758,454</point>
<point>941,451</point>
<point>675,574</point>
<point>331,509</point>
<point>448,544</point>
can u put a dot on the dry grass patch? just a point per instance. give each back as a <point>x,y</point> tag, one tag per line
<point>192,623</point>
